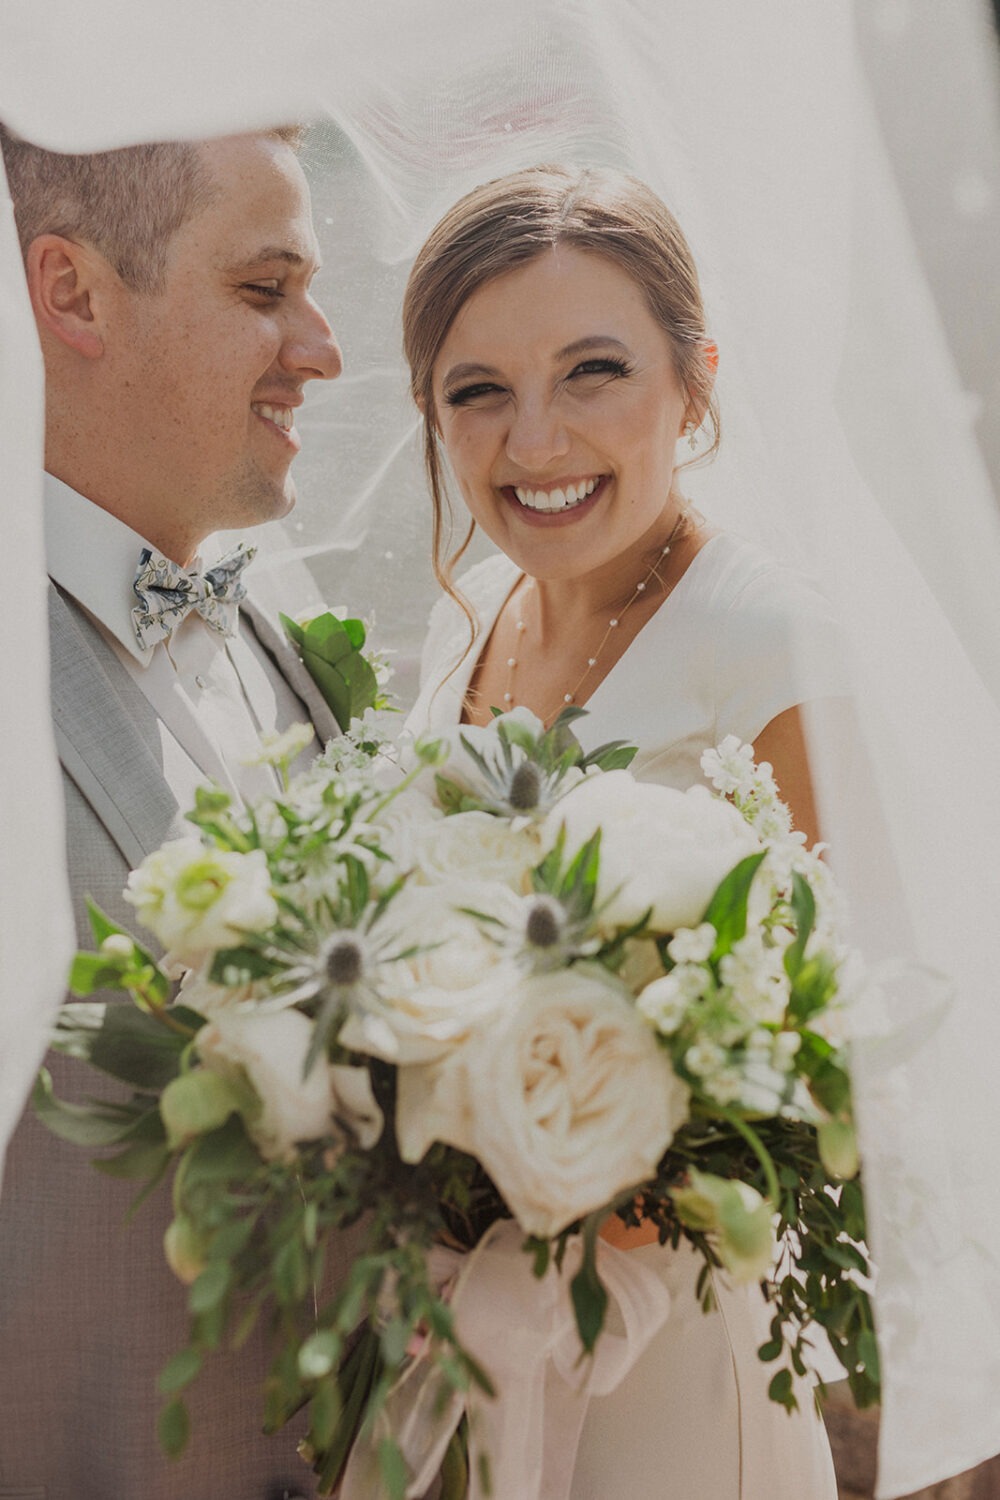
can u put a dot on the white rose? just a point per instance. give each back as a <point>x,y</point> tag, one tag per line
<point>271,1050</point>
<point>660,848</point>
<point>404,825</point>
<point>478,846</point>
<point>196,899</point>
<point>566,1101</point>
<point>427,1004</point>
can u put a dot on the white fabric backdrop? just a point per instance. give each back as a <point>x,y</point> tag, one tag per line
<point>754,124</point>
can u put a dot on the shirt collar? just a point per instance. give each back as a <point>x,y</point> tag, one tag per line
<point>93,556</point>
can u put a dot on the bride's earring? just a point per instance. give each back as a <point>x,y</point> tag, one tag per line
<point>691,433</point>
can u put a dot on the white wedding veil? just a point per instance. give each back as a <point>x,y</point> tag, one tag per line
<point>846,450</point>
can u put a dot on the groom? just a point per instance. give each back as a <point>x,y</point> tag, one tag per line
<point>171,288</point>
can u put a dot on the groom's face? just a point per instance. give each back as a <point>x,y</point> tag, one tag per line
<point>207,371</point>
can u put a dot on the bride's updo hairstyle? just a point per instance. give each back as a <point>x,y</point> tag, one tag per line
<point>505,224</point>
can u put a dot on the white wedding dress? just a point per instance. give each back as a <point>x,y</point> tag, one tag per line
<point>739,640</point>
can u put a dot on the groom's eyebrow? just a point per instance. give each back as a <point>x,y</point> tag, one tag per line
<point>270,253</point>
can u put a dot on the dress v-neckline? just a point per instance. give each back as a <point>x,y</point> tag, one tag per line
<point>464,673</point>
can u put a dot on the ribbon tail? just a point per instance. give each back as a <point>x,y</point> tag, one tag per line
<point>421,1418</point>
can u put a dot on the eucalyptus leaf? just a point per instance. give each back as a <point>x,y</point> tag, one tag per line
<point>174,1427</point>
<point>210,1288</point>
<point>179,1371</point>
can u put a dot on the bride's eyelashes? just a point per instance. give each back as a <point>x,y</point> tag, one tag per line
<point>463,394</point>
<point>613,367</point>
<point>607,366</point>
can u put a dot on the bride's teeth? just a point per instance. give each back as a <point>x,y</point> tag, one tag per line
<point>549,501</point>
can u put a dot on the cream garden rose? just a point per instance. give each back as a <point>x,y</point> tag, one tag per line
<point>196,899</point>
<point>479,847</point>
<point>661,850</point>
<point>574,1101</point>
<point>426,1004</point>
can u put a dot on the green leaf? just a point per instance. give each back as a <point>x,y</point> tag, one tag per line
<point>196,1103</point>
<point>325,1410</point>
<point>780,1389</point>
<point>590,1300</point>
<point>331,653</point>
<point>223,1155</point>
<point>179,1372</point>
<point>292,629</point>
<point>455,1468</point>
<point>392,1466</point>
<point>143,1160</point>
<point>727,910</point>
<point>242,965</point>
<point>617,755</point>
<point>804,911</point>
<point>290,1273</point>
<point>93,1124</point>
<point>101,924</point>
<point>90,972</point>
<point>174,1427</point>
<point>127,1043</point>
<point>210,1288</point>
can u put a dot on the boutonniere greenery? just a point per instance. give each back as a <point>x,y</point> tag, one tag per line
<point>332,651</point>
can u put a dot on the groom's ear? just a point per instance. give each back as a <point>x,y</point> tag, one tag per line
<point>66,281</point>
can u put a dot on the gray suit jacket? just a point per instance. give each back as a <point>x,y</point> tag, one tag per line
<point>89,1312</point>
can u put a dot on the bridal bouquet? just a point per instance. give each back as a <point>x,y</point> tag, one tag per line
<point>468,1014</point>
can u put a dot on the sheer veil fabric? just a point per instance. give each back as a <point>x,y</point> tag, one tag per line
<point>754,125</point>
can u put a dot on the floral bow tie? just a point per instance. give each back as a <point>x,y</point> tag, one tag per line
<point>166,593</point>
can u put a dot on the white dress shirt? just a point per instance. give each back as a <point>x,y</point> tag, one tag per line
<point>213,695</point>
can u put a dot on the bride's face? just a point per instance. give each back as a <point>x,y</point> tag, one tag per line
<point>559,409</point>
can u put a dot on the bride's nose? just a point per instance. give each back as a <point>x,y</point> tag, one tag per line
<point>536,435</point>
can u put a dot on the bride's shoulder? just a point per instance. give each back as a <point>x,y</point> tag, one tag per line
<point>740,578</point>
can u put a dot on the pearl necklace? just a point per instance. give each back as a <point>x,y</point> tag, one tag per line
<point>612,625</point>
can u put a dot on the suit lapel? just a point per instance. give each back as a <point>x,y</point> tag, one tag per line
<point>107,736</point>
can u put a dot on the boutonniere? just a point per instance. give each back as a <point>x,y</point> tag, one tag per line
<point>331,651</point>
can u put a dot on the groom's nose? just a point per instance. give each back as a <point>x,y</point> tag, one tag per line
<point>310,349</point>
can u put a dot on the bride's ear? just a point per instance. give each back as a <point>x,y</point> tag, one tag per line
<point>699,398</point>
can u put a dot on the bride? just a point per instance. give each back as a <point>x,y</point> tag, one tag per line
<point>558,352</point>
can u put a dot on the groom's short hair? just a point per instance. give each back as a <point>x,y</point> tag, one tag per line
<point>127,204</point>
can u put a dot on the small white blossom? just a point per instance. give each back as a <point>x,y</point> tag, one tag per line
<point>724,1085</point>
<point>279,749</point>
<point>663,1004</point>
<point>729,767</point>
<point>692,944</point>
<point>704,1058</point>
<point>786,1046</point>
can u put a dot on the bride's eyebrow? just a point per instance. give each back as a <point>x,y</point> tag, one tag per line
<point>592,341</point>
<point>467,371</point>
